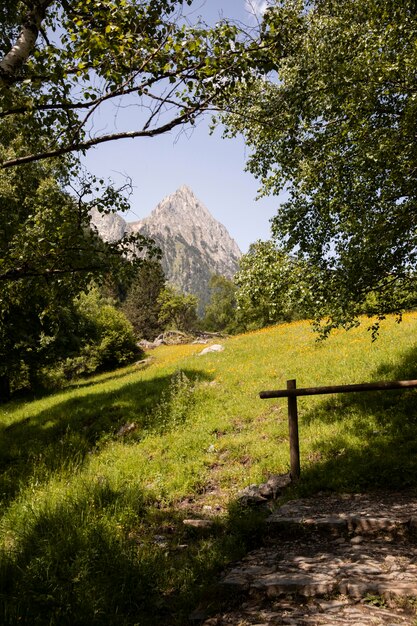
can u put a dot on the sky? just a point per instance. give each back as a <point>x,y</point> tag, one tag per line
<point>211,166</point>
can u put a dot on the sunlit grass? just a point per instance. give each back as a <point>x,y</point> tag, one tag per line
<point>91,519</point>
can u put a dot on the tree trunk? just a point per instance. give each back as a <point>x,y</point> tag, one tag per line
<point>26,41</point>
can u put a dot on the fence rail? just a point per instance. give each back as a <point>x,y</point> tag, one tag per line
<point>292,392</point>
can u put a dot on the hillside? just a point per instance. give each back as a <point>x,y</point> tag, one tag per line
<point>194,245</point>
<point>96,480</point>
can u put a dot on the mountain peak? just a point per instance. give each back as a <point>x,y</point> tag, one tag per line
<point>183,204</point>
<point>194,244</point>
<point>185,190</point>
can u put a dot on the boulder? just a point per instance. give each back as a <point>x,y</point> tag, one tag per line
<point>217,347</point>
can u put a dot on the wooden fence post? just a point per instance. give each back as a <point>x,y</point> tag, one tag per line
<point>293,431</point>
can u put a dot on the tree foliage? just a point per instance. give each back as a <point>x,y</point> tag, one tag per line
<point>61,63</point>
<point>272,286</point>
<point>335,126</point>
<point>105,335</point>
<point>142,305</point>
<point>96,336</point>
<point>49,255</point>
<point>178,311</point>
<point>220,313</point>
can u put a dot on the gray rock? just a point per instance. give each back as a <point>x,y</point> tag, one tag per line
<point>275,485</point>
<point>111,227</point>
<point>251,496</point>
<point>126,429</point>
<point>160,541</point>
<point>146,345</point>
<point>214,348</point>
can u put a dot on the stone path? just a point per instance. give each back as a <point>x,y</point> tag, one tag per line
<point>332,560</point>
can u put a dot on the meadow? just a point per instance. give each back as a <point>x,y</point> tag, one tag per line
<point>97,479</point>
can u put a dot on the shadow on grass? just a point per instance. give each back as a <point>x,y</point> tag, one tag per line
<point>61,436</point>
<point>24,396</point>
<point>377,445</point>
<point>104,377</point>
<point>111,557</point>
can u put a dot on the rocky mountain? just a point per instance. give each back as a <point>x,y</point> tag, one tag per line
<point>111,227</point>
<point>194,245</point>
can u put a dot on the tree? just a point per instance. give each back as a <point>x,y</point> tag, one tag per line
<point>107,339</point>
<point>272,286</point>
<point>62,62</point>
<point>178,311</point>
<point>142,305</point>
<point>220,313</point>
<point>335,126</point>
<point>49,255</point>
<point>94,336</point>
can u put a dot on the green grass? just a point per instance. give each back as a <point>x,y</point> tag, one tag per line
<point>92,521</point>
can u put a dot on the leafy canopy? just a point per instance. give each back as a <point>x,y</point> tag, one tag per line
<point>48,256</point>
<point>272,286</point>
<point>177,311</point>
<point>62,63</point>
<point>335,126</point>
<point>221,312</point>
<point>142,306</point>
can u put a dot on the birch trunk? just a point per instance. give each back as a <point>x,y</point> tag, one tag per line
<point>25,43</point>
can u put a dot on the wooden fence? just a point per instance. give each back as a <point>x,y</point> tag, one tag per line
<point>291,392</point>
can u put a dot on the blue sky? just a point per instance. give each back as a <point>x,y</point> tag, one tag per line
<point>213,167</point>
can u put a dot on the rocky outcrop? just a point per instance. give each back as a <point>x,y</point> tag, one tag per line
<point>111,227</point>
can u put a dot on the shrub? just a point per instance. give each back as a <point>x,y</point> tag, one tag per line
<point>104,340</point>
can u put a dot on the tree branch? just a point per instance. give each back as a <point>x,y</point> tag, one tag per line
<point>86,145</point>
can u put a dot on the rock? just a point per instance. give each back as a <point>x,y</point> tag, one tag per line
<point>194,245</point>
<point>217,347</point>
<point>275,485</point>
<point>251,496</point>
<point>160,541</point>
<point>173,338</point>
<point>198,523</point>
<point>356,540</point>
<point>126,428</point>
<point>110,226</point>
<point>300,578</point>
<point>146,345</point>
<point>144,361</point>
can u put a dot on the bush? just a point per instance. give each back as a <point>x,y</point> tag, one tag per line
<point>104,340</point>
<point>110,339</point>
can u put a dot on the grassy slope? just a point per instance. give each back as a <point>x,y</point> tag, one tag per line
<point>91,521</point>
